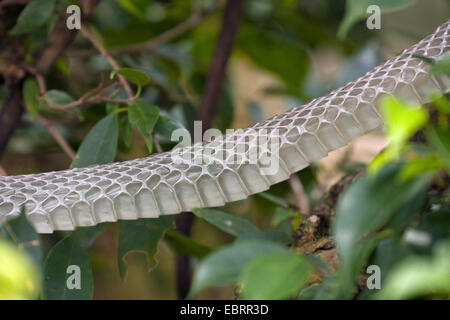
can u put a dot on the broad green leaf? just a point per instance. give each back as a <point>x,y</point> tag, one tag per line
<point>226,222</point>
<point>364,207</point>
<point>402,120</point>
<point>436,223</point>
<point>30,95</point>
<point>125,131</point>
<point>224,265</point>
<point>277,275</point>
<point>22,234</point>
<point>165,127</point>
<point>99,146</point>
<point>309,293</point>
<point>35,14</point>
<point>134,8</point>
<point>441,65</point>
<point>420,277</point>
<point>186,246</point>
<point>440,140</point>
<point>58,97</point>
<point>326,290</point>
<point>289,61</point>
<point>19,276</point>
<point>282,214</point>
<point>419,165</point>
<point>141,236</point>
<point>273,198</point>
<point>356,10</point>
<point>144,117</point>
<point>388,252</point>
<point>111,107</point>
<point>71,251</point>
<point>137,77</point>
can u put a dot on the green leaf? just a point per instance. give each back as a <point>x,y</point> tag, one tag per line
<point>282,214</point>
<point>35,14</point>
<point>126,131</point>
<point>141,236</point>
<point>71,251</point>
<point>327,290</point>
<point>23,235</point>
<point>19,275</point>
<point>137,77</point>
<point>440,140</point>
<point>186,246</point>
<point>309,293</point>
<point>277,275</point>
<point>402,120</point>
<point>226,222</point>
<point>111,107</point>
<point>420,277</point>
<point>58,97</point>
<point>224,265</point>
<point>165,127</point>
<point>419,165</point>
<point>99,146</point>
<point>356,10</point>
<point>273,198</point>
<point>289,61</point>
<point>30,95</point>
<point>364,207</point>
<point>441,65</point>
<point>144,117</point>
<point>133,8</point>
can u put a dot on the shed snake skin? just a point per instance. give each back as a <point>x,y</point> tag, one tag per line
<point>158,185</point>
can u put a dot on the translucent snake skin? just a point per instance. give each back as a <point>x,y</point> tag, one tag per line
<point>156,185</point>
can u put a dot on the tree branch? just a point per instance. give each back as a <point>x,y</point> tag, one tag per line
<point>10,115</point>
<point>2,171</point>
<point>96,43</point>
<point>211,95</point>
<point>172,33</point>
<point>299,193</point>
<point>57,41</point>
<point>207,111</point>
<point>57,136</point>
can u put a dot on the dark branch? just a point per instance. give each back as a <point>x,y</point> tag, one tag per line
<point>211,95</point>
<point>56,43</point>
<point>207,112</point>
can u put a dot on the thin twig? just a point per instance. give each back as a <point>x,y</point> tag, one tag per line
<point>299,193</point>
<point>216,75</point>
<point>86,33</point>
<point>112,62</point>
<point>207,111</point>
<point>2,171</point>
<point>57,136</point>
<point>156,142</point>
<point>172,33</point>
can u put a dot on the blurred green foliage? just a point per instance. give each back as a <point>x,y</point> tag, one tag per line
<point>257,249</point>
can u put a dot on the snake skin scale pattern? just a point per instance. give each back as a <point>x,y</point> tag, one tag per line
<point>158,185</point>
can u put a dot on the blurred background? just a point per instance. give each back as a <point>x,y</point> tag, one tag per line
<point>286,52</point>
